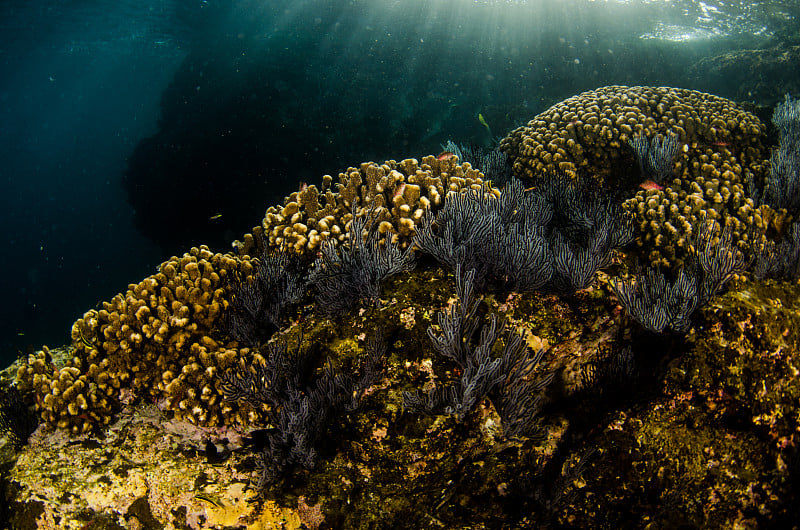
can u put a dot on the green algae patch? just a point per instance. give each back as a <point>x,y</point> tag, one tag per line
<point>674,463</point>
<point>745,355</point>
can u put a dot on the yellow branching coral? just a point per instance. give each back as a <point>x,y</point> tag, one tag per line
<point>722,150</point>
<point>154,340</point>
<point>397,193</point>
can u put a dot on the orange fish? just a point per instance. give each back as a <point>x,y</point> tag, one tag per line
<point>651,185</point>
<point>445,155</point>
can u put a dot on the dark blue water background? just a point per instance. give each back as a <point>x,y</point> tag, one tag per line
<point>320,85</point>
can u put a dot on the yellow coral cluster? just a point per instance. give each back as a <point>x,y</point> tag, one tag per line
<point>155,340</point>
<point>591,131</point>
<point>721,151</point>
<point>668,218</point>
<point>397,194</point>
<point>68,397</point>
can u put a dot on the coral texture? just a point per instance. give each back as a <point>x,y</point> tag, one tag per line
<point>155,340</point>
<point>396,193</point>
<point>721,151</point>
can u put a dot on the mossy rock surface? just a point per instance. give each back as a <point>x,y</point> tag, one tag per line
<point>704,437</point>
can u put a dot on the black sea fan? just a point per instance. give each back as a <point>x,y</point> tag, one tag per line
<point>781,260</point>
<point>585,230</point>
<point>783,183</point>
<point>257,306</point>
<point>17,420</point>
<point>501,238</point>
<point>786,117</point>
<point>457,233</point>
<point>782,188</point>
<point>508,379</point>
<point>299,411</point>
<point>493,163</point>
<point>552,237</point>
<point>659,304</point>
<point>655,155</point>
<point>352,273</point>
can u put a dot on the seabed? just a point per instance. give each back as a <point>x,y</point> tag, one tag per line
<point>704,436</point>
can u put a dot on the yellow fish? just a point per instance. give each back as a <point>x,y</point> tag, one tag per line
<point>483,122</point>
<point>215,216</point>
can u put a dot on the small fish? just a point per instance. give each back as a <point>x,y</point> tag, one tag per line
<point>651,185</point>
<point>209,499</point>
<point>445,155</point>
<point>303,185</point>
<point>84,341</point>
<point>721,144</point>
<point>215,217</point>
<point>483,122</point>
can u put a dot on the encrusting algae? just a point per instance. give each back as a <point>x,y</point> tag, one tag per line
<point>634,429</point>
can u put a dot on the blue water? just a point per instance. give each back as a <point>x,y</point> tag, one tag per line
<point>130,131</point>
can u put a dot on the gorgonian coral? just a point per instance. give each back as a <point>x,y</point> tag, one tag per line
<point>493,163</point>
<point>659,304</point>
<point>257,306</point>
<point>783,183</point>
<point>17,420</point>
<point>656,155</point>
<point>354,271</point>
<point>298,410</point>
<point>553,237</point>
<point>507,379</point>
<point>781,260</point>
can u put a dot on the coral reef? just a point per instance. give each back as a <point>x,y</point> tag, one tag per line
<point>657,303</point>
<point>155,340</point>
<point>717,420</point>
<point>591,129</point>
<point>298,412</point>
<point>695,428</point>
<point>355,271</point>
<point>721,151</point>
<point>396,193</point>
